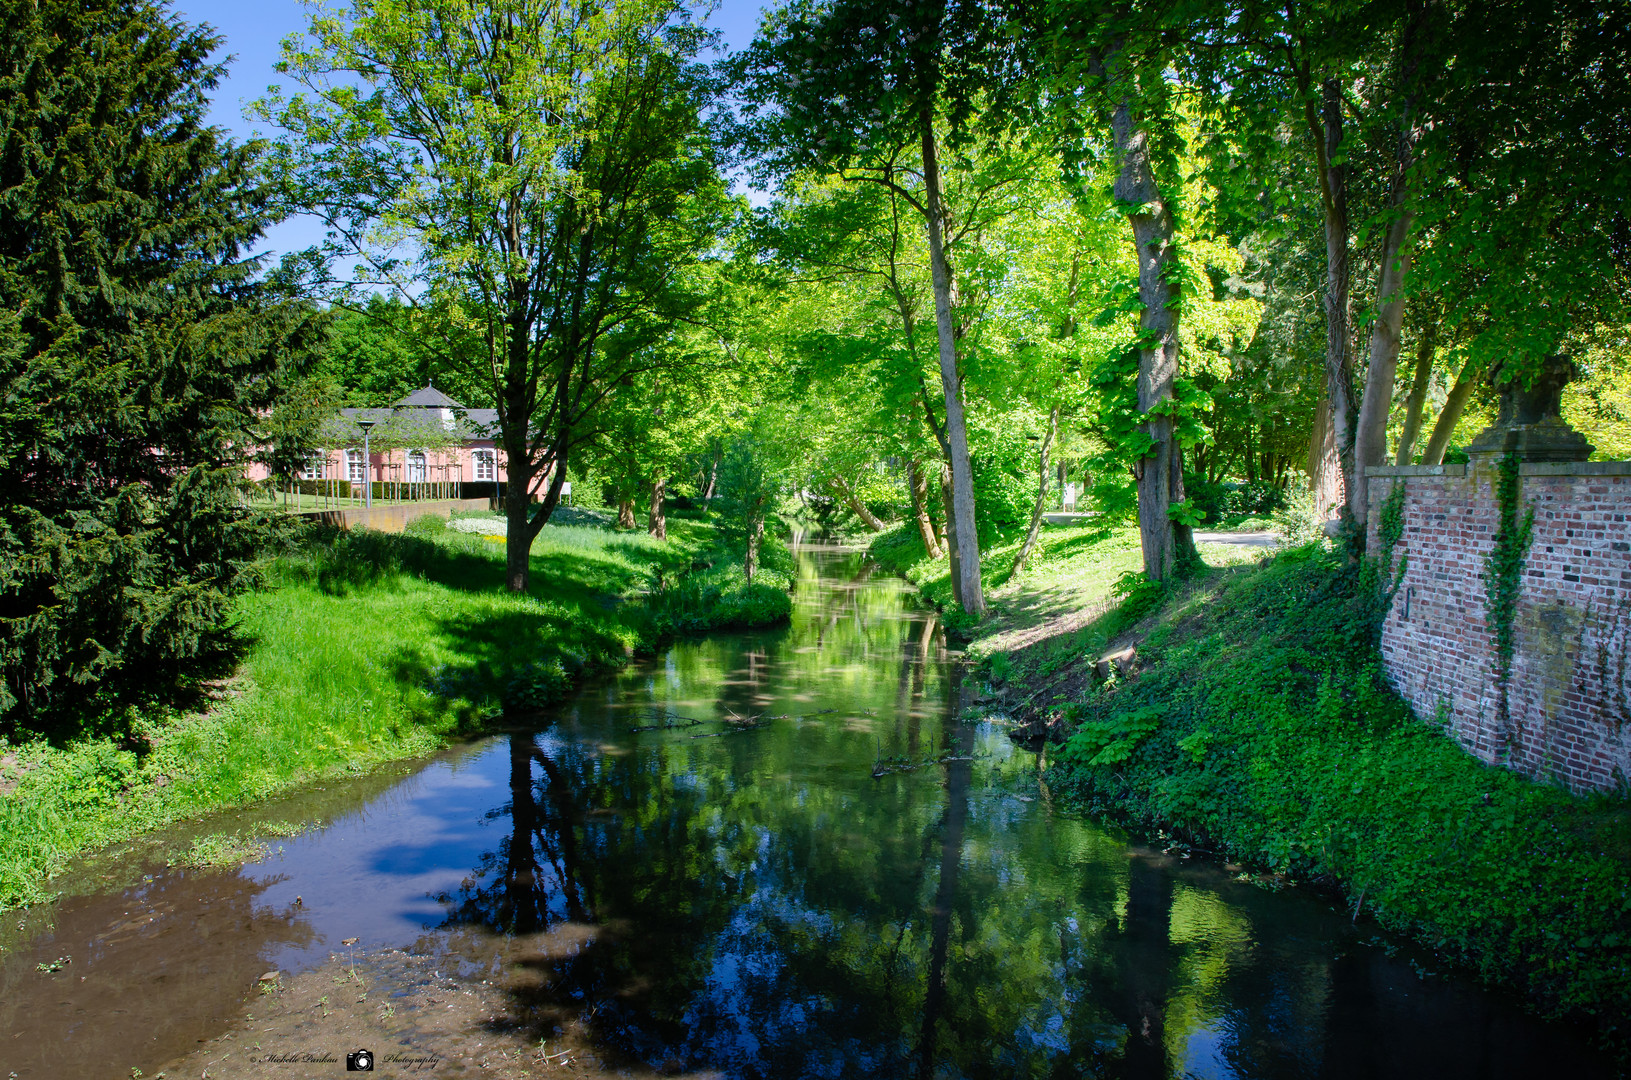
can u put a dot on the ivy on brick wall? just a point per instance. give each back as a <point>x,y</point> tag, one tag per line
<point>1503,581</point>
<point>1389,531</point>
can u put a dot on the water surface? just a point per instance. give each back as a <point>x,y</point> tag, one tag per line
<point>760,903</point>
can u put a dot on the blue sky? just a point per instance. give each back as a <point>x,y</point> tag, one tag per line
<point>254,31</point>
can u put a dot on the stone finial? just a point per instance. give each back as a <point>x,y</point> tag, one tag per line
<point>1530,422</point>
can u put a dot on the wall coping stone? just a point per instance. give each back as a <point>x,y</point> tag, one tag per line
<point>1415,470</point>
<point>1527,468</point>
<point>1575,468</point>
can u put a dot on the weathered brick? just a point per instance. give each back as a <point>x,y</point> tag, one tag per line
<point>1573,607</point>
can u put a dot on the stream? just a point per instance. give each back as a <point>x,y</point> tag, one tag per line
<point>755,902</point>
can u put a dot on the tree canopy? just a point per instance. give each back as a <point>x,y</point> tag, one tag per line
<point>1190,259</point>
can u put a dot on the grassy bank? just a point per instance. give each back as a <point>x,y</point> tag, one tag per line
<point>1257,725</point>
<point>369,647</point>
<point>1069,579</point>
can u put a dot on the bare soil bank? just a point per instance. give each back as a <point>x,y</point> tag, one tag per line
<point>464,1012</point>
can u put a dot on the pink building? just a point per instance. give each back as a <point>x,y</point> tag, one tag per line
<point>425,446</point>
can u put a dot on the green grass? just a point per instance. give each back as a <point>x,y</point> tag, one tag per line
<point>1090,556</point>
<point>365,648</point>
<point>1072,569</point>
<point>1261,728</point>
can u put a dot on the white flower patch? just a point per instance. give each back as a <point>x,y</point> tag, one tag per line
<point>482,525</point>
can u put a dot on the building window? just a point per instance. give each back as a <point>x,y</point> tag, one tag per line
<point>316,467</point>
<point>486,465</point>
<point>354,470</point>
<point>416,467</point>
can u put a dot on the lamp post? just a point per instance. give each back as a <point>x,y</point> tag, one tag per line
<point>367,463</point>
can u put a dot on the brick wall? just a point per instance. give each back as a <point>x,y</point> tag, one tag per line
<point>1569,699</point>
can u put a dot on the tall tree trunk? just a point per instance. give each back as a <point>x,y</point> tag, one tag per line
<point>750,558</point>
<point>967,568</point>
<point>954,555</point>
<point>713,477</point>
<point>625,513</point>
<point>522,517</point>
<point>1370,434</point>
<point>656,523</point>
<point>1419,383</point>
<point>1450,416</point>
<point>1325,128</point>
<point>517,508</point>
<point>1323,468</point>
<point>1387,329</point>
<point>1160,470</point>
<point>1041,495</point>
<point>857,507</point>
<point>919,486</point>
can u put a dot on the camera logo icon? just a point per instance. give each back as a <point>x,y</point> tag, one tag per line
<point>359,1061</point>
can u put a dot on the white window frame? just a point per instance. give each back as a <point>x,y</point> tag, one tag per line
<point>423,474</point>
<point>485,463</point>
<point>316,467</point>
<point>356,470</point>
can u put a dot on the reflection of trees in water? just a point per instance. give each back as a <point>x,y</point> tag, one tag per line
<point>766,913</point>
<point>534,880</point>
<point>959,775</point>
<point>922,647</point>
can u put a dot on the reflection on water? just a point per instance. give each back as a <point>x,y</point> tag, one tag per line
<point>755,902</point>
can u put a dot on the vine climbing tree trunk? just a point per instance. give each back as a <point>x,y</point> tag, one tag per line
<point>1166,544</point>
<point>750,557</point>
<point>1337,409</point>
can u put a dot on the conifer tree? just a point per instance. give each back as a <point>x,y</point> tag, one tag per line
<point>139,352</point>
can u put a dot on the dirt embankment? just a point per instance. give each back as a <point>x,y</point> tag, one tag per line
<point>464,1012</point>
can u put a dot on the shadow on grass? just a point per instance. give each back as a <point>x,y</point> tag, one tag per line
<point>339,562</point>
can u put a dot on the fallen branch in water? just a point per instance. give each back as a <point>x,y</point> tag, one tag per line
<point>757,722</point>
<point>900,763</point>
<point>666,720</point>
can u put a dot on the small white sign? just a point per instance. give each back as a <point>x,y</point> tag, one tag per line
<point>566,487</point>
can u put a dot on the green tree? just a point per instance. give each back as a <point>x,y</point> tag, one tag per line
<point>139,354</point>
<point>533,178</point>
<point>1479,178</point>
<point>1113,65</point>
<point>378,355</point>
<point>755,475</point>
<point>855,85</point>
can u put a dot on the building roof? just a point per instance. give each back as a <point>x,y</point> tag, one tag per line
<point>427,398</point>
<point>471,424</point>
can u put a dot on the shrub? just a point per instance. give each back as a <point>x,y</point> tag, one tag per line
<point>1232,499</point>
<point>1264,729</point>
<point>1299,521</point>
